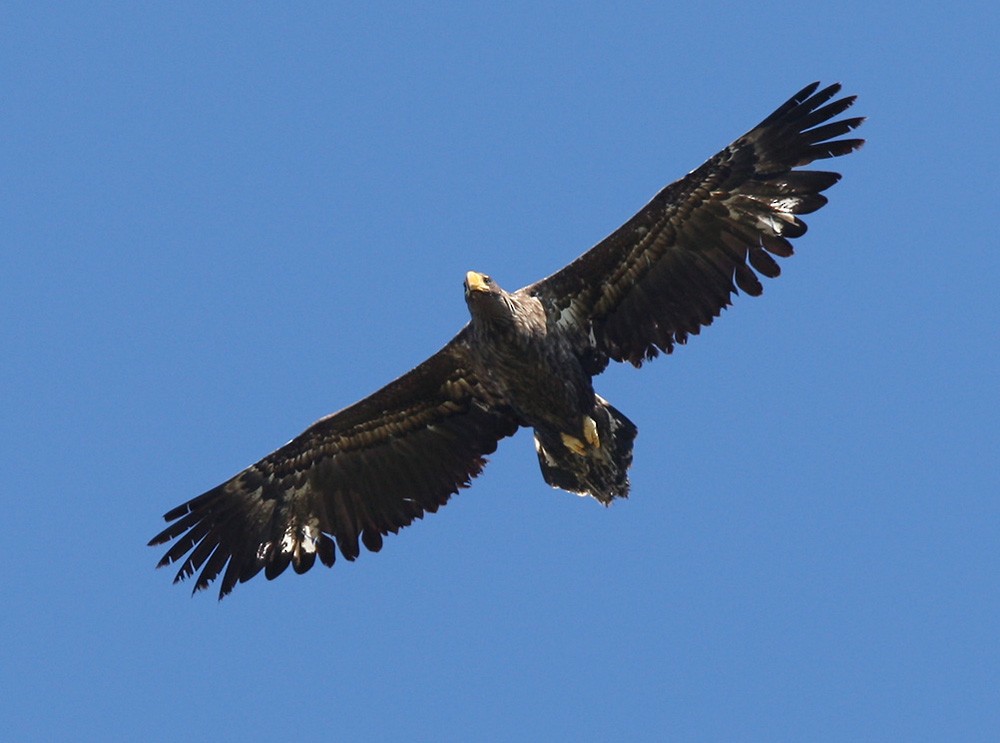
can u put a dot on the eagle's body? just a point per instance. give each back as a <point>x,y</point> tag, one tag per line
<point>539,367</point>
<point>526,358</point>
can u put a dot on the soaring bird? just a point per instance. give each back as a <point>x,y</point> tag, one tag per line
<point>526,358</point>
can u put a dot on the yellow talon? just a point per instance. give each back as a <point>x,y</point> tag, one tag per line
<point>590,438</point>
<point>573,443</point>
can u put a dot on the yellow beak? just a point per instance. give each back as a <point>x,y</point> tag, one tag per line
<point>476,282</point>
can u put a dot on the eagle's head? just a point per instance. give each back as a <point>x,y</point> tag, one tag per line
<point>487,301</point>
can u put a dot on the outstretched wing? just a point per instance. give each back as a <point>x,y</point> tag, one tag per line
<point>364,472</point>
<point>675,265</point>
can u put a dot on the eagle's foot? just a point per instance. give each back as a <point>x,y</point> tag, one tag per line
<point>573,444</point>
<point>590,438</point>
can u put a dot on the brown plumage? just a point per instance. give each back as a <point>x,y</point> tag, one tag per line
<point>526,358</point>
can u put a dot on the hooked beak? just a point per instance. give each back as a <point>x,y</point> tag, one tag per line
<point>476,282</point>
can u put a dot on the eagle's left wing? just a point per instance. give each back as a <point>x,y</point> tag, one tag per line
<point>364,472</point>
<point>675,265</point>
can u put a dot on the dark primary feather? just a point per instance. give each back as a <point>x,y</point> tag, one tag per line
<point>364,472</point>
<point>674,266</point>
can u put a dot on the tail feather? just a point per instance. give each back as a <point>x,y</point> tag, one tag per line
<point>601,471</point>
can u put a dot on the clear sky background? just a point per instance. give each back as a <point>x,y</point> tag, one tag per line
<point>219,223</point>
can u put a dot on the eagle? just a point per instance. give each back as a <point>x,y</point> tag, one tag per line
<point>525,359</point>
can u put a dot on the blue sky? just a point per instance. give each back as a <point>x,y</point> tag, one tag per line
<point>220,223</point>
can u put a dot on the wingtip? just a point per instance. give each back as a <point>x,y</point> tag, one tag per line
<point>807,91</point>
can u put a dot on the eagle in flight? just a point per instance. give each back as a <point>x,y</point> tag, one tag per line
<point>526,358</point>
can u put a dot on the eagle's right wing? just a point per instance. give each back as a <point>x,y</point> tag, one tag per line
<point>365,471</point>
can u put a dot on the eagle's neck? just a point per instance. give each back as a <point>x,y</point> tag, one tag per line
<point>493,313</point>
<point>513,321</point>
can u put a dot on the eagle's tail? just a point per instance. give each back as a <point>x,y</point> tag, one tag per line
<point>596,467</point>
